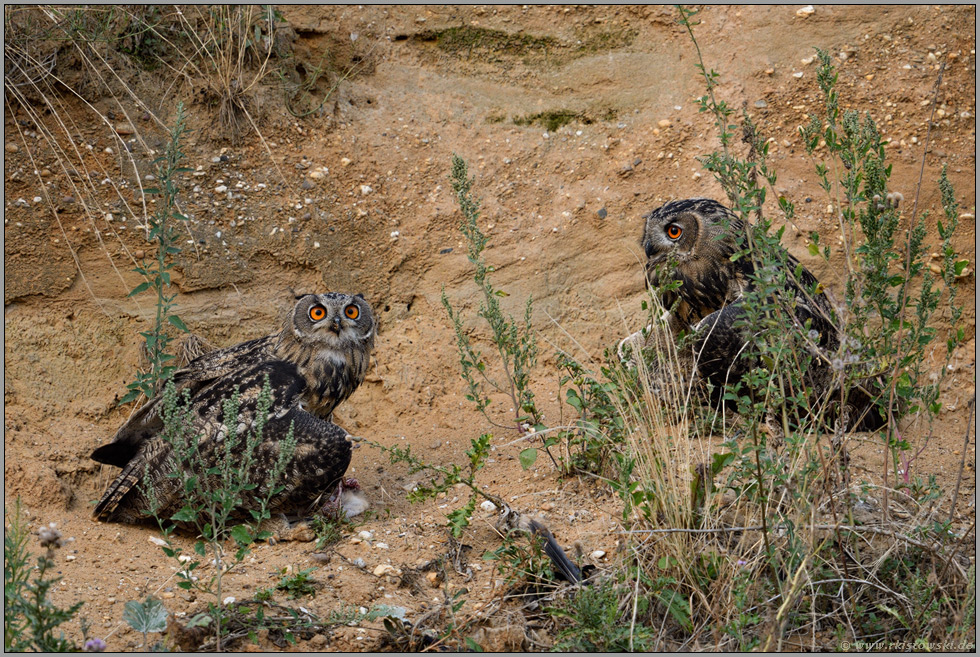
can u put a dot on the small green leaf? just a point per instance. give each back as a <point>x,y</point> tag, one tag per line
<point>889,610</point>
<point>678,606</point>
<point>184,515</point>
<point>132,395</point>
<point>200,620</point>
<point>719,461</point>
<point>528,457</point>
<point>178,322</point>
<point>241,534</point>
<point>147,616</point>
<point>959,266</point>
<point>142,287</point>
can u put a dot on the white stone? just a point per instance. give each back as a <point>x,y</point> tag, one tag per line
<point>386,569</point>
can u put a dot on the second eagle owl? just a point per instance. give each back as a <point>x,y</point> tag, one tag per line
<point>699,237</point>
<point>317,359</point>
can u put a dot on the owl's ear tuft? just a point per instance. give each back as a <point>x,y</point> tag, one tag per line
<point>359,295</point>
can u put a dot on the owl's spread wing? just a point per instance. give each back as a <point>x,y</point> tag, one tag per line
<point>199,374</point>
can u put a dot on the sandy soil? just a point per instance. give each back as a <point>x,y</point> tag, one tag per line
<point>381,221</point>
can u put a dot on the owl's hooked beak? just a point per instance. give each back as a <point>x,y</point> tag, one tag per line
<point>657,258</point>
<point>335,325</point>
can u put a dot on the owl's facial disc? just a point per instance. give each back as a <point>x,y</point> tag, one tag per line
<point>340,319</point>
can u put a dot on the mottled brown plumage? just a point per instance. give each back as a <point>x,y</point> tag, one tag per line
<point>317,359</point>
<point>696,239</point>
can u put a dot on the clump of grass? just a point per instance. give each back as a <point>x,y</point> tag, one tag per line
<point>236,44</point>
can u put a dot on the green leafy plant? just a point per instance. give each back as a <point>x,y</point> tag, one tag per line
<point>294,586</point>
<point>595,623</point>
<point>599,428</point>
<point>889,327</point>
<point>160,229</point>
<point>329,529</point>
<point>30,618</point>
<point>145,617</point>
<point>214,492</point>
<point>444,478</point>
<point>515,342</point>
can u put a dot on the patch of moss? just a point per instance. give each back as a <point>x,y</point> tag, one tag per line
<point>465,39</point>
<point>551,120</point>
<point>604,41</point>
<point>554,119</point>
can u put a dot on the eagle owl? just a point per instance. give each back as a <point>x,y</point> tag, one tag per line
<point>318,358</point>
<point>697,238</point>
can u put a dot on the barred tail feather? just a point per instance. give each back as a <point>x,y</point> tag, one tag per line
<point>117,491</point>
<point>125,500</point>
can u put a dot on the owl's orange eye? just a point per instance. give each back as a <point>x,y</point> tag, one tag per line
<point>352,311</point>
<point>317,313</point>
<point>674,231</point>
